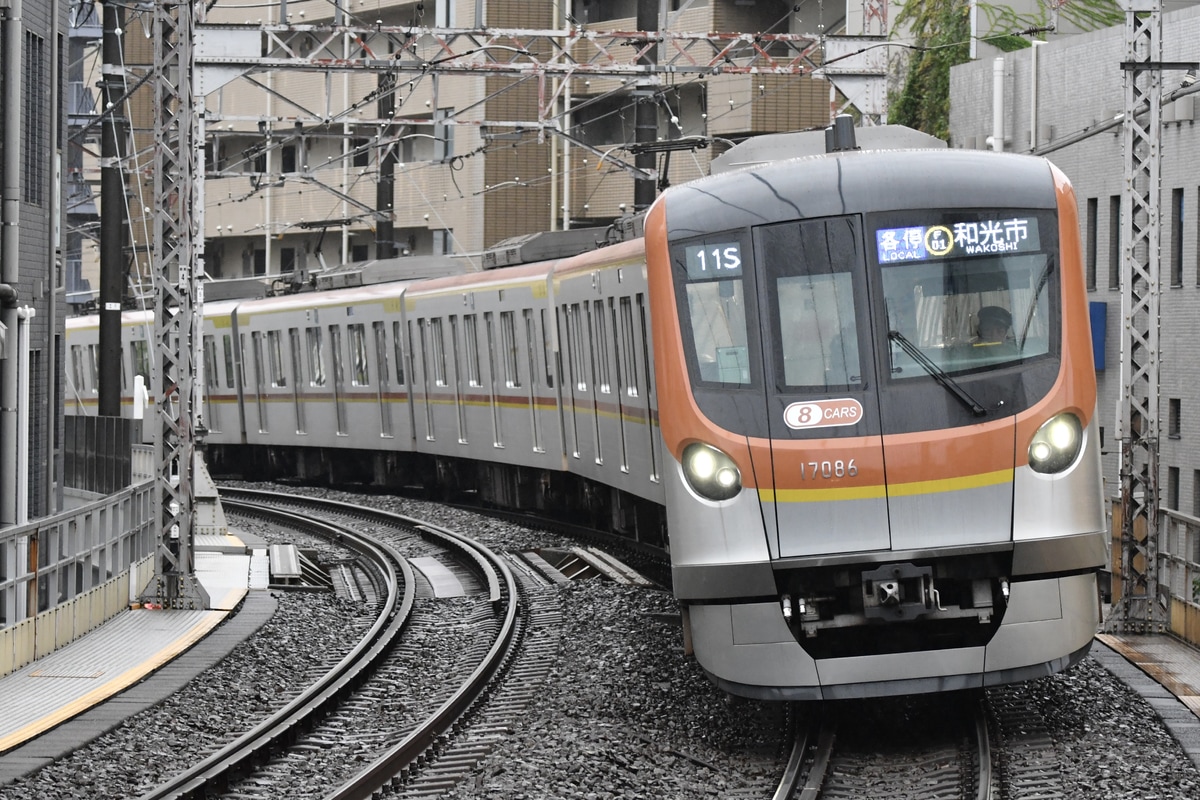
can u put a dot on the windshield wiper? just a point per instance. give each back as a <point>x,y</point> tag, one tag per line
<point>940,375</point>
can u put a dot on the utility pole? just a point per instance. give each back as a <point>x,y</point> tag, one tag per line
<point>112,202</point>
<point>1139,609</point>
<point>645,110</point>
<point>178,256</point>
<point>385,189</point>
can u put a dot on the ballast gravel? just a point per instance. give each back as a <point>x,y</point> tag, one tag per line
<point>623,713</point>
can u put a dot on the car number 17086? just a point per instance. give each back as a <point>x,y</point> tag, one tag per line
<point>814,470</point>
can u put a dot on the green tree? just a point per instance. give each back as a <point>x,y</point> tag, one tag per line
<point>941,32</point>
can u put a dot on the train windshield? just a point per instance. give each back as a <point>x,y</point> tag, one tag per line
<point>973,293</point>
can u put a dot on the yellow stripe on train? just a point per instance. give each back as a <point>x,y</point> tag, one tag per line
<point>979,481</point>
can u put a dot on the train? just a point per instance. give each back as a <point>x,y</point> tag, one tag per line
<point>848,387</point>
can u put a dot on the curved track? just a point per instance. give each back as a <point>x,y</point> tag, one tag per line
<point>394,582</point>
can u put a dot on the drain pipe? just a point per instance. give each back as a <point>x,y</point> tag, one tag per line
<point>10,253</point>
<point>24,317</point>
<point>998,105</point>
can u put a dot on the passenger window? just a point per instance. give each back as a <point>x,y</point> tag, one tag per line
<point>140,353</point>
<point>819,340</point>
<point>508,349</point>
<point>275,358</point>
<point>316,357</point>
<point>77,366</point>
<point>471,350</point>
<point>227,340</point>
<point>439,352</point>
<point>210,362</point>
<point>398,344</point>
<point>815,325</point>
<point>358,355</point>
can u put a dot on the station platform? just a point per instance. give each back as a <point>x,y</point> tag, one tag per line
<point>139,657</point>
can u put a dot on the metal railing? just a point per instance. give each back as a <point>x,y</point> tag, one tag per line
<point>1179,572</point>
<point>51,561</point>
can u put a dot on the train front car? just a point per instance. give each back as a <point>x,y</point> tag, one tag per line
<point>876,386</point>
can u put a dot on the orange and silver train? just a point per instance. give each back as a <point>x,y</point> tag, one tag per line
<point>852,393</point>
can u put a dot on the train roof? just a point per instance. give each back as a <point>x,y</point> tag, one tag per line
<point>393,270</point>
<point>772,147</point>
<point>858,181</point>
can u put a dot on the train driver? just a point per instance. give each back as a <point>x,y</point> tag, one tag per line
<point>993,329</point>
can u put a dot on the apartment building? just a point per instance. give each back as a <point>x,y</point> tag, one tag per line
<point>296,159</point>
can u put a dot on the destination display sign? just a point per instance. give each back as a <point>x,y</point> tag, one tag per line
<point>956,240</point>
<point>709,261</point>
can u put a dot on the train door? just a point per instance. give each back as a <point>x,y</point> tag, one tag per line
<point>825,445</point>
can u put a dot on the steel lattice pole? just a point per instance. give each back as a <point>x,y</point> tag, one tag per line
<point>1139,609</point>
<point>177,264</point>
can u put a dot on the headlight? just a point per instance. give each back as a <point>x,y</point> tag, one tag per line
<point>711,473</point>
<point>1056,444</point>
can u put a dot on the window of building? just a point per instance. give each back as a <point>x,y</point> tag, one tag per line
<point>34,101</point>
<point>360,152</point>
<point>1173,488</point>
<point>287,259</point>
<point>1174,412</point>
<point>288,158</point>
<point>1177,222</point>
<point>1114,241</point>
<point>1196,493</point>
<point>1093,211</point>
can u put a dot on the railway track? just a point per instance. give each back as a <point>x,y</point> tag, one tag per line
<point>378,718</point>
<point>930,748</point>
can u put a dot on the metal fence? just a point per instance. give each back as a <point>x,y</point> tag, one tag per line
<point>53,560</point>
<point>97,452</point>
<point>1179,571</point>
